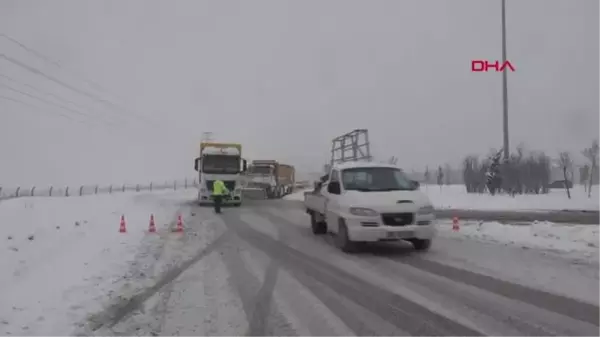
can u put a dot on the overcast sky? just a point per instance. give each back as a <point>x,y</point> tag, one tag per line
<point>145,78</point>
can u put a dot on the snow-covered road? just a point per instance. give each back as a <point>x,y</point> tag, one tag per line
<point>258,270</point>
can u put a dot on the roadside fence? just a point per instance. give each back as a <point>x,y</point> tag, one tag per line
<point>72,191</point>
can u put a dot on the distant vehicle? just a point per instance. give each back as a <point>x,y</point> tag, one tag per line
<point>276,179</point>
<point>370,202</point>
<point>221,161</point>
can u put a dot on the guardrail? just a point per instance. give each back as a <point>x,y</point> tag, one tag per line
<point>81,190</point>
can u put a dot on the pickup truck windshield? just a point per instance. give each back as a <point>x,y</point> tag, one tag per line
<point>221,164</point>
<point>376,179</point>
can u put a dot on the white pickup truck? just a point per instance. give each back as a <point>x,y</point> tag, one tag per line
<point>369,202</point>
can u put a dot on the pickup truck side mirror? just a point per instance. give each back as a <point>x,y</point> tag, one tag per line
<point>317,185</point>
<point>197,163</point>
<point>415,184</point>
<point>334,187</point>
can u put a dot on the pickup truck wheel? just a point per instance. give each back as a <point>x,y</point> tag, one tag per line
<point>343,241</point>
<point>318,228</point>
<point>421,245</point>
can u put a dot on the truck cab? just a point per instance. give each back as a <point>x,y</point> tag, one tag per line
<point>222,161</point>
<point>368,202</point>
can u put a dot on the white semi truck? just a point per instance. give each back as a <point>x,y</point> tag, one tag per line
<point>274,178</point>
<point>221,161</point>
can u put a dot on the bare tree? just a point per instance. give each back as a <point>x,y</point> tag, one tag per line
<point>526,172</point>
<point>448,174</point>
<point>565,162</point>
<point>591,153</point>
<point>440,177</point>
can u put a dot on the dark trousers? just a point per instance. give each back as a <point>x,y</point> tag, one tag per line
<point>218,201</point>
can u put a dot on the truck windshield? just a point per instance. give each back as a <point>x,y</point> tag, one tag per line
<point>376,179</point>
<point>221,164</point>
<point>261,170</point>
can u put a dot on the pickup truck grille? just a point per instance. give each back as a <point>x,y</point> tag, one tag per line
<point>230,184</point>
<point>397,219</point>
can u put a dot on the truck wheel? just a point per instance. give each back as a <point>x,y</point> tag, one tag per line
<point>342,239</point>
<point>421,245</point>
<point>318,228</point>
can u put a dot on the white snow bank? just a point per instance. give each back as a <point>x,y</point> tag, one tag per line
<point>456,197</point>
<point>60,256</point>
<point>579,240</point>
<point>297,196</point>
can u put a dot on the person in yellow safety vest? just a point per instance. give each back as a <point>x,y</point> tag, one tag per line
<point>219,190</point>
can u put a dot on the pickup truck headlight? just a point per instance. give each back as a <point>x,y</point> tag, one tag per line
<point>362,211</point>
<point>426,210</point>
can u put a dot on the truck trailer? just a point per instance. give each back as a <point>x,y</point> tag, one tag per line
<point>221,161</point>
<point>274,178</point>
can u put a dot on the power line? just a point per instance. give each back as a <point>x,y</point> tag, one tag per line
<point>48,102</point>
<point>56,97</point>
<point>61,83</point>
<point>159,126</point>
<point>55,63</point>
<point>110,126</point>
<point>37,108</point>
<point>39,111</point>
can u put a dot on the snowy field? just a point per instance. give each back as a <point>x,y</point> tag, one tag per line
<point>60,256</point>
<point>456,197</point>
<point>577,241</point>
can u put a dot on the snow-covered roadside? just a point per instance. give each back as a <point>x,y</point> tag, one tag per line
<point>62,257</point>
<point>456,197</point>
<point>580,241</point>
<point>296,196</point>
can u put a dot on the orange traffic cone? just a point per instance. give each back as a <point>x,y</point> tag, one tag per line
<point>152,226</point>
<point>455,225</point>
<point>179,224</point>
<point>122,226</point>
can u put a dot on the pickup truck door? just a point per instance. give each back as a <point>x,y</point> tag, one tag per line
<point>324,199</point>
<point>332,206</point>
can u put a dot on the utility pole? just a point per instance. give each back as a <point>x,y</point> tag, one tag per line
<point>504,85</point>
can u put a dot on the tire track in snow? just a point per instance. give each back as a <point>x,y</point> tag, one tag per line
<point>406,315</point>
<point>257,302</point>
<point>255,297</point>
<point>124,307</point>
<point>560,304</point>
